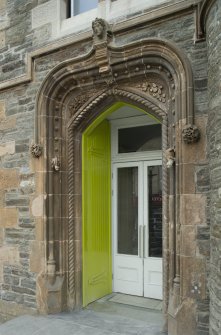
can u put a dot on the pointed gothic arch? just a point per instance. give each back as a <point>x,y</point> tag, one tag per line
<point>152,75</point>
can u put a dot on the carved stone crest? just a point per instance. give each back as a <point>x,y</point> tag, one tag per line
<point>102,36</point>
<point>191,134</point>
<point>101,29</point>
<point>36,150</point>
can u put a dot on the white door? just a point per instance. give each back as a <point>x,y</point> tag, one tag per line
<point>137,228</point>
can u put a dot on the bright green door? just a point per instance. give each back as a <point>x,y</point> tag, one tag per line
<point>97,269</point>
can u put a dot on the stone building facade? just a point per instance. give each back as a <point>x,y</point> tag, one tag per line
<point>58,77</point>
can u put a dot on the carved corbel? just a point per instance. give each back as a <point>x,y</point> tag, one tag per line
<point>170,157</point>
<point>36,150</point>
<point>55,164</point>
<point>191,134</point>
<point>102,36</point>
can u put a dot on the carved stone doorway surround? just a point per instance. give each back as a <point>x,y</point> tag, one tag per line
<point>151,74</point>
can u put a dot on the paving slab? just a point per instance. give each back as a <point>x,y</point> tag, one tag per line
<point>100,318</point>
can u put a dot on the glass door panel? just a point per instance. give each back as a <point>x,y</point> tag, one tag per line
<point>137,201</point>
<point>127,210</point>
<point>155,210</point>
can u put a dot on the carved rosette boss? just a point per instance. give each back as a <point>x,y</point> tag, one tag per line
<point>191,134</point>
<point>36,150</point>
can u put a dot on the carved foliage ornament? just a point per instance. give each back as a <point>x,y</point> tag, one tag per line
<point>155,90</point>
<point>191,134</point>
<point>36,150</point>
<point>79,101</point>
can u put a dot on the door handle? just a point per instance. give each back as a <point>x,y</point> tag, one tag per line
<point>140,241</point>
<point>144,241</point>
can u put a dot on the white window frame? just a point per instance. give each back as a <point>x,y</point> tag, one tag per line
<point>131,122</point>
<point>72,3</point>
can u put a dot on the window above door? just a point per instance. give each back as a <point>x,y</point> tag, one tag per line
<point>77,7</point>
<point>134,135</point>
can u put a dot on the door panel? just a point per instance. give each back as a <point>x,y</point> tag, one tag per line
<point>137,201</point>
<point>153,278</point>
<point>97,272</point>
<point>153,230</point>
<point>128,266</point>
<point>127,210</point>
<point>128,275</point>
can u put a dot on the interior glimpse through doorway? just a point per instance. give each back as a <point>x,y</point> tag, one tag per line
<point>122,175</point>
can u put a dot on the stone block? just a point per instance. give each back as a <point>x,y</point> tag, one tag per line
<point>7,148</point>
<point>193,209</point>
<point>40,229</point>
<point>22,290</point>
<point>185,321</point>
<point>203,233</point>
<point>30,301</point>
<point>2,4</point>
<point>193,277</point>
<point>44,14</point>
<point>13,297</point>
<point>11,280</point>
<point>2,39</point>
<point>202,179</point>
<point>9,254</point>
<point>37,206</point>
<point>14,309</point>
<point>38,257</point>
<point>1,272</point>
<point>196,152</point>
<point>2,198</point>
<point>188,173</point>
<point>8,123</point>
<point>8,217</point>
<point>2,110</point>
<point>188,240</point>
<point>1,236</point>
<point>9,178</point>
<point>203,248</point>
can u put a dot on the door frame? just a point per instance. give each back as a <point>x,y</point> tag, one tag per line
<point>130,159</point>
<point>72,95</point>
<point>142,214</point>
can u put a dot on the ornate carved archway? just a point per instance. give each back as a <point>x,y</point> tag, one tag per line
<point>150,74</point>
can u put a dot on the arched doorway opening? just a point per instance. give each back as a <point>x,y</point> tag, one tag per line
<point>122,204</point>
<point>155,76</point>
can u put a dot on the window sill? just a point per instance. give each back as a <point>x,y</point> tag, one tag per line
<point>78,23</point>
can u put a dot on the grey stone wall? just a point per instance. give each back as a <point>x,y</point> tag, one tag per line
<point>22,253</point>
<point>214,134</point>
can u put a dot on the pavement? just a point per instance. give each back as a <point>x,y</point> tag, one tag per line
<point>99,318</point>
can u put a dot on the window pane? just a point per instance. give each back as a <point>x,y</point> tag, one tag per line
<point>155,210</point>
<point>128,210</point>
<point>143,138</point>
<point>81,6</point>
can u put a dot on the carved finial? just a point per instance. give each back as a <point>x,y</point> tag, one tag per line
<point>36,150</point>
<point>55,164</point>
<point>191,134</point>
<point>170,157</point>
